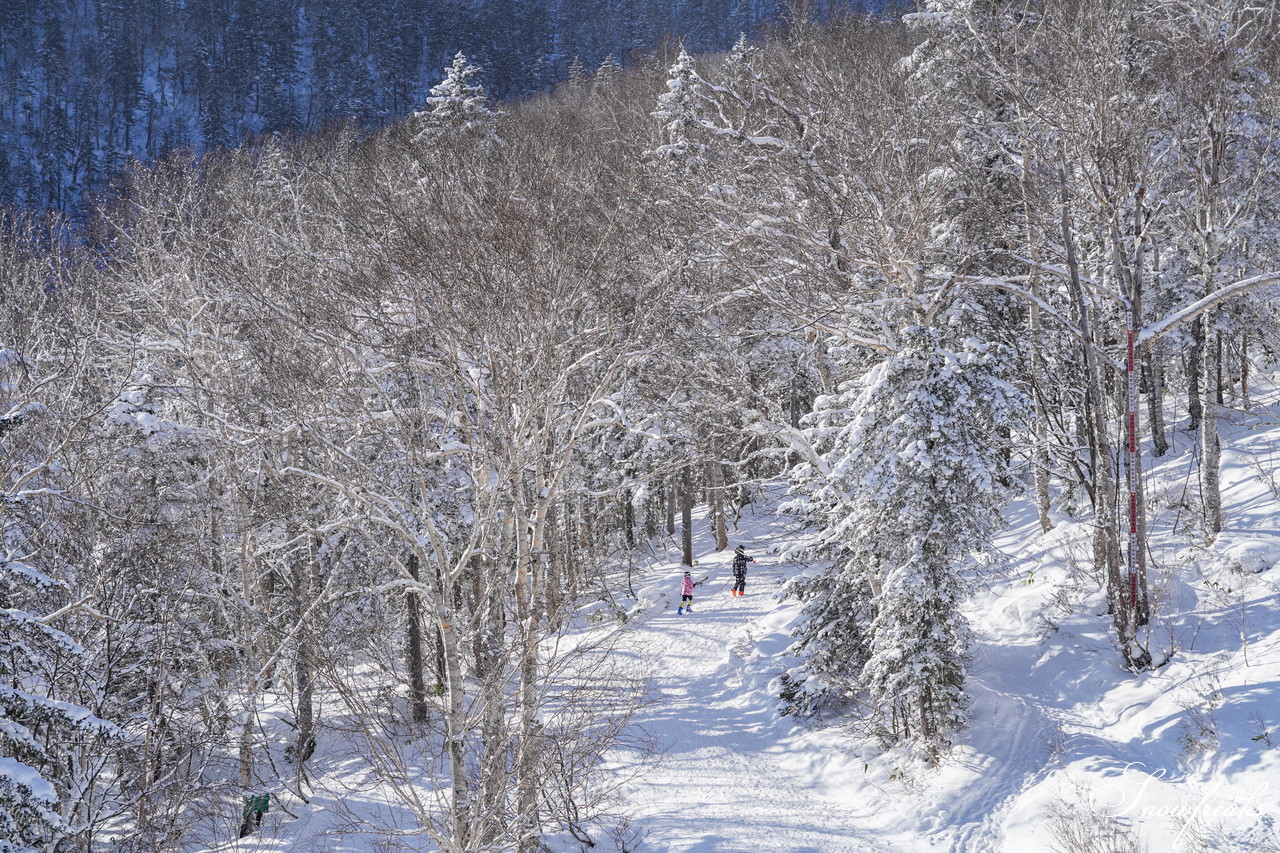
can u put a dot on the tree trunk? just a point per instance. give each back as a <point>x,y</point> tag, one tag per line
<point>1245,402</point>
<point>1040,455</point>
<point>1210,450</point>
<point>1155,371</point>
<point>531,573</point>
<point>530,745</point>
<point>455,719</point>
<point>494,734</point>
<point>245,764</point>
<point>651,509</point>
<point>1154,376</point>
<point>556,603</point>
<point>303,666</point>
<point>686,516</point>
<point>586,524</point>
<point>1195,403</point>
<point>1221,363</point>
<point>629,519</point>
<point>671,508</point>
<point>794,406</point>
<point>567,551</point>
<point>494,772</point>
<point>719,526</point>
<point>414,656</point>
<point>1107,536</point>
<point>1143,608</point>
<point>1138,593</point>
<point>574,570</point>
<point>248,593</point>
<point>442,670</point>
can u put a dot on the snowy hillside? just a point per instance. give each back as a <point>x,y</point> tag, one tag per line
<point>1065,743</point>
<point>205,75</point>
<point>1067,749</point>
<point>346,482</point>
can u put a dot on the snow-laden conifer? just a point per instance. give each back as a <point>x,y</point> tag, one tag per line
<point>609,70</point>
<point>907,493</point>
<point>677,111</point>
<point>457,104</point>
<point>39,728</point>
<point>33,724</point>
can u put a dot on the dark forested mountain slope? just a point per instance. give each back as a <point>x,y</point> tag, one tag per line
<point>88,84</point>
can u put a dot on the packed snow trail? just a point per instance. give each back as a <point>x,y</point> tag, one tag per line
<point>726,781</point>
<point>736,777</point>
<point>1063,740</point>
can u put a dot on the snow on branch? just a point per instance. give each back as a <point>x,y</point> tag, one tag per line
<point>1009,286</point>
<point>1159,329</point>
<point>81,606</point>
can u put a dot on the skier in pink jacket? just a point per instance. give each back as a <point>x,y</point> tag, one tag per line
<point>686,594</point>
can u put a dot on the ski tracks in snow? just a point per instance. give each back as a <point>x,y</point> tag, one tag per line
<point>726,781</point>
<point>1006,749</point>
<point>734,777</point>
<point>1008,744</point>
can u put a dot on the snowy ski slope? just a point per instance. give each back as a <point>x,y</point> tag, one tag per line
<point>1185,757</point>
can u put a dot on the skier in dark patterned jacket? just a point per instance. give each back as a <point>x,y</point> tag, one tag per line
<point>740,560</point>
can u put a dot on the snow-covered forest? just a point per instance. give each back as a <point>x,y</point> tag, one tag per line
<point>369,437</point>
<point>90,84</point>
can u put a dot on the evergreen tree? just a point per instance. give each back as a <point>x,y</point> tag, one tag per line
<point>33,724</point>
<point>400,32</point>
<point>120,23</point>
<point>907,491</point>
<point>519,47</point>
<point>39,664</point>
<point>276,25</point>
<point>458,104</point>
<point>678,110</point>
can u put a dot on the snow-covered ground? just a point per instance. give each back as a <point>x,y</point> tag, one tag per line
<point>1064,744</point>
<point>733,776</point>
<point>736,776</point>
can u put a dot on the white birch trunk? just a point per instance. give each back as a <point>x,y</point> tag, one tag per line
<point>719,525</point>
<point>1210,449</point>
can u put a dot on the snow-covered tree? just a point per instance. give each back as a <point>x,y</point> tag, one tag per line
<point>678,114</point>
<point>40,730</point>
<point>45,734</point>
<point>1223,192</point>
<point>907,490</point>
<point>457,105</point>
<point>1093,157</point>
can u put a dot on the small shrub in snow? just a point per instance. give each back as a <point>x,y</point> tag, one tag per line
<point>1201,832</point>
<point>1263,732</point>
<point>1083,828</point>
<point>1198,730</point>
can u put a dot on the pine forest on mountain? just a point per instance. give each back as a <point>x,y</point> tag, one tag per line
<point>90,84</point>
<point>354,422</point>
